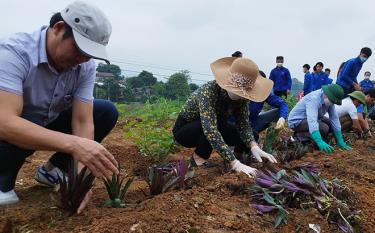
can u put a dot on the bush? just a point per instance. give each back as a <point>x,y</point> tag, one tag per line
<point>149,126</point>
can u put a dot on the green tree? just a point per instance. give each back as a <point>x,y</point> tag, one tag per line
<point>296,86</point>
<point>193,87</point>
<point>110,68</point>
<point>144,79</point>
<point>109,85</point>
<point>159,89</point>
<point>177,85</point>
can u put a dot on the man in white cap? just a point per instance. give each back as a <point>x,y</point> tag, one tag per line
<point>46,98</point>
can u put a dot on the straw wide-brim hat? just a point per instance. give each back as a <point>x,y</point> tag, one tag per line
<point>241,77</point>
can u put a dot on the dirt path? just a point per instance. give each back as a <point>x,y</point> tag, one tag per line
<point>216,203</point>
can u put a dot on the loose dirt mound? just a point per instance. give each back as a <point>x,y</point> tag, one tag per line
<point>216,201</point>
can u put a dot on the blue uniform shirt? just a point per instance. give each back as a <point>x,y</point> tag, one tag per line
<point>281,78</point>
<point>349,72</point>
<point>307,83</point>
<point>366,84</point>
<point>256,107</point>
<point>319,79</point>
<point>312,108</point>
<point>25,71</point>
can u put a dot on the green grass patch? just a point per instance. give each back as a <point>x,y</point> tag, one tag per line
<point>149,126</point>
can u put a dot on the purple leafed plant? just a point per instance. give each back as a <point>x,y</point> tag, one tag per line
<point>172,175</point>
<point>183,172</point>
<point>74,186</point>
<point>276,192</point>
<point>263,208</point>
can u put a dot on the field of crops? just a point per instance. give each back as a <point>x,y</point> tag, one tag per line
<point>333,193</point>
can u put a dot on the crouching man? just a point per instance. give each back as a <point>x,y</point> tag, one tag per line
<point>46,98</point>
<point>308,121</point>
<point>348,114</point>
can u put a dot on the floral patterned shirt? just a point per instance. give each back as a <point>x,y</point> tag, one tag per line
<point>209,103</point>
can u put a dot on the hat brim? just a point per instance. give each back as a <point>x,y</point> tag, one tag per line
<point>260,91</point>
<point>363,101</point>
<point>90,48</point>
<point>330,96</point>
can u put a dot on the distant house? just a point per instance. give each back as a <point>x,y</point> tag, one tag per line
<point>100,75</point>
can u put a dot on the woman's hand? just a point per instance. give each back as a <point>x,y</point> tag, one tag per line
<point>237,166</point>
<point>259,154</point>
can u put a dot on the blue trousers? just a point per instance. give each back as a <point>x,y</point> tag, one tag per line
<point>13,157</point>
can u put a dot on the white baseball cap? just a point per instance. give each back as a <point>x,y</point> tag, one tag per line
<point>91,28</point>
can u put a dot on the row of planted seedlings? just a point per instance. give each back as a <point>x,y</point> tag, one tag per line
<point>303,187</point>
<point>75,185</point>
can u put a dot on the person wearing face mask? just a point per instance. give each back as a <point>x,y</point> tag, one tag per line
<point>203,121</point>
<point>261,120</point>
<point>319,78</point>
<point>347,77</point>
<point>366,84</point>
<point>308,121</point>
<point>281,78</point>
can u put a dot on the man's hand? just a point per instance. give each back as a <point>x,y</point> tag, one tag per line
<point>93,155</point>
<point>85,202</point>
<point>280,123</point>
<point>357,87</point>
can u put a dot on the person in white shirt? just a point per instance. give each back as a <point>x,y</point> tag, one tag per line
<point>347,111</point>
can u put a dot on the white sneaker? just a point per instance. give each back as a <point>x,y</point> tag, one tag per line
<point>49,178</point>
<point>7,198</point>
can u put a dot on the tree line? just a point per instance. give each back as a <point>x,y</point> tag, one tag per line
<point>112,85</point>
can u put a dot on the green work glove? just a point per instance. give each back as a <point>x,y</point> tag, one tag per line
<point>340,141</point>
<point>323,146</point>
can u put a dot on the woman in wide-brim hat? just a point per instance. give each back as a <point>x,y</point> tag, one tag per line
<point>203,121</point>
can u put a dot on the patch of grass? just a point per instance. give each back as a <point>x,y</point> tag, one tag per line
<point>149,126</point>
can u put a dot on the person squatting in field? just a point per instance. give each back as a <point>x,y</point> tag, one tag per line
<point>203,121</point>
<point>308,121</point>
<point>46,98</point>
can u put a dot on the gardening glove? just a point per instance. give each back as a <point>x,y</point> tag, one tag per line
<point>258,154</point>
<point>237,166</point>
<point>280,123</point>
<point>323,146</point>
<point>340,141</point>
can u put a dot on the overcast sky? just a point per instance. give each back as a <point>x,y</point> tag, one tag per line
<point>168,35</point>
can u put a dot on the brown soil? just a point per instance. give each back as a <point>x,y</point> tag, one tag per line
<point>217,201</point>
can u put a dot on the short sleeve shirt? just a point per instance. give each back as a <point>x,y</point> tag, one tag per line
<point>25,71</point>
<point>347,107</point>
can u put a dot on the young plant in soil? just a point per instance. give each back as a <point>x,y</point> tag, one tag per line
<point>74,186</point>
<point>172,175</point>
<point>280,144</point>
<point>305,188</point>
<point>116,190</point>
